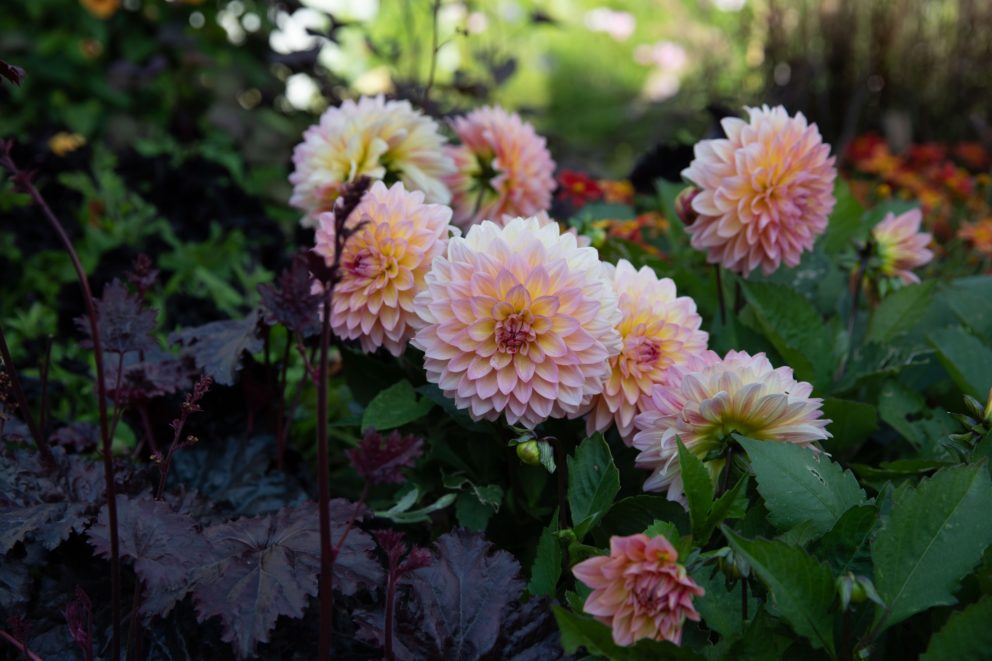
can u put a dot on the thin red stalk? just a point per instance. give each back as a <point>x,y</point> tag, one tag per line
<point>281,408</point>
<point>134,629</point>
<point>43,408</point>
<point>22,403</point>
<point>390,607</point>
<point>24,181</point>
<point>351,522</point>
<point>19,645</point>
<point>324,486</point>
<point>166,463</point>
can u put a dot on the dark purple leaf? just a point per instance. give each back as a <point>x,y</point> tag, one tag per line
<point>167,550</point>
<point>146,380</point>
<point>14,583</point>
<point>12,72</point>
<point>264,567</point>
<point>47,523</point>
<point>381,460</point>
<point>292,302</point>
<point>124,324</point>
<point>217,347</point>
<point>79,436</point>
<point>355,566</point>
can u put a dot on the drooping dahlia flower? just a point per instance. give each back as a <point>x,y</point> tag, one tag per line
<point>660,331</point>
<point>386,140</point>
<point>518,320</point>
<point>766,191</point>
<point>740,393</point>
<point>502,166</point>
<point>901,245</point>
<point>639,590</point>
<point>383,265</point>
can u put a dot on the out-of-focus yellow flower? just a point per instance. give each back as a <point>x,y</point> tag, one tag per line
<point>617,191</point>
<point>102,9</point>
<point>979,235</point>
<point>884,191</point>
<point>62,143</point>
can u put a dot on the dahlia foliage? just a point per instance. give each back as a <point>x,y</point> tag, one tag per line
<point>766,191</point>
<point>639,590</point>
<point>740,394</point>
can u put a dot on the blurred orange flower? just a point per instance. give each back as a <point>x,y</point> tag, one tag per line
<point>979,235</point>
<point>102,9</point>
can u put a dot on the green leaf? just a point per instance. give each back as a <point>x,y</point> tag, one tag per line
<point>632,515</point>
<point>546,570</point>
<point>395,406</point>
<point>799,485</point>
<point>899,311</point>
<point>845,546</point>
<point>935,534</point>
<point>966,359</point>
<point>731,505</point>
<point>967,634</point>
<point>593,482</point>
<point>401,512</point>
<point>969,299</point>
<point>698,488</point>
<point>720,606</point>
<point>795,329</point>
<point>845,220</point>
<point>582,631</point>
<point>851,423</point>
<point>801,587</point>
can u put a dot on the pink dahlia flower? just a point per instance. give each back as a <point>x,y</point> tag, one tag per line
<point>639,590</point>
<point>502,166</point>
<point>519,321</point>
<point>384,264</point>
<point>386,140</point>
<point>901,245</point>
<point>742,394</point>
<point>766,191</point>
<point>660,331</point>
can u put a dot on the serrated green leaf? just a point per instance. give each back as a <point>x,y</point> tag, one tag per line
<point>801,587</point>
<point>799,485</point>
<point>899,311</point>
<point>720,607</point>
<point>795,329</point>
<point>698,488</point>
<point>731,504</point>
<point>966,359</point>
<point>593,483</point>
<point>395,406</point>
<point>546,570</point>
<point>967,634</point>
<point>845,546</point>
<point>969,299</point>
<point>935,534</point>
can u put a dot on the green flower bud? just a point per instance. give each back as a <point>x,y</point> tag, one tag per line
<point>529,452</point>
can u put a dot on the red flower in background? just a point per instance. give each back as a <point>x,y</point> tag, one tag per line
<point>578,188</point>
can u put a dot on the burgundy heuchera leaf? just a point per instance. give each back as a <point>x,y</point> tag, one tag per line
<point>124,324</point>
<point>380,460</point>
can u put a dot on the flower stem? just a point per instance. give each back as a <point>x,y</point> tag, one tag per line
<point>22,404</point>
<point>23,181</point>
<point>324,486</point>
<point>719,294</point>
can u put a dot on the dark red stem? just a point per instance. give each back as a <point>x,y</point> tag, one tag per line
<point>390,607</point>
<point>324,486</point>
<point>281,423</point>
<point>23,180</point>
<point>19,645</point>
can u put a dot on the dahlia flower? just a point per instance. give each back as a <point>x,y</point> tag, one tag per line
<point>518,320</point>
<point>386,140</point>
<point>502,166</point>
<point>639,590</point>
<point>766,191</point>
<point>383,264</point>
<point>740,393</point>
<point>901,245</point>
<point>659,331</point>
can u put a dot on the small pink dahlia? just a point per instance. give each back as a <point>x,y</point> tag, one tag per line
<point>901,245</point>
<point>660,331</point>
<point>518,320</point>
<point>639,590</point>
<point>742,394</point>
<point>766,191</point>
<point>502,166</point>
<point>383,265</point>
<point>386,140</point>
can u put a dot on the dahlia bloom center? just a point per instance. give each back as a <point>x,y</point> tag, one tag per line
<point>515,333</point>
<point>641,355</point>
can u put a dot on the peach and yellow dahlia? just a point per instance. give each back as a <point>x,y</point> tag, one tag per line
<point>740,394</point>
<point>502,166</point>
<point>901,245</point>
<point>518,320</point>
<point>639,590</point>
<point>660,330</point>
<point>766,191</point>
<point>385,140</point>
<point>383,265</point>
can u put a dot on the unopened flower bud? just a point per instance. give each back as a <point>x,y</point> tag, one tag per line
<point>683,205</point>
<point>853,589</point>
<point>529,452</point>
<point>988,408</point>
